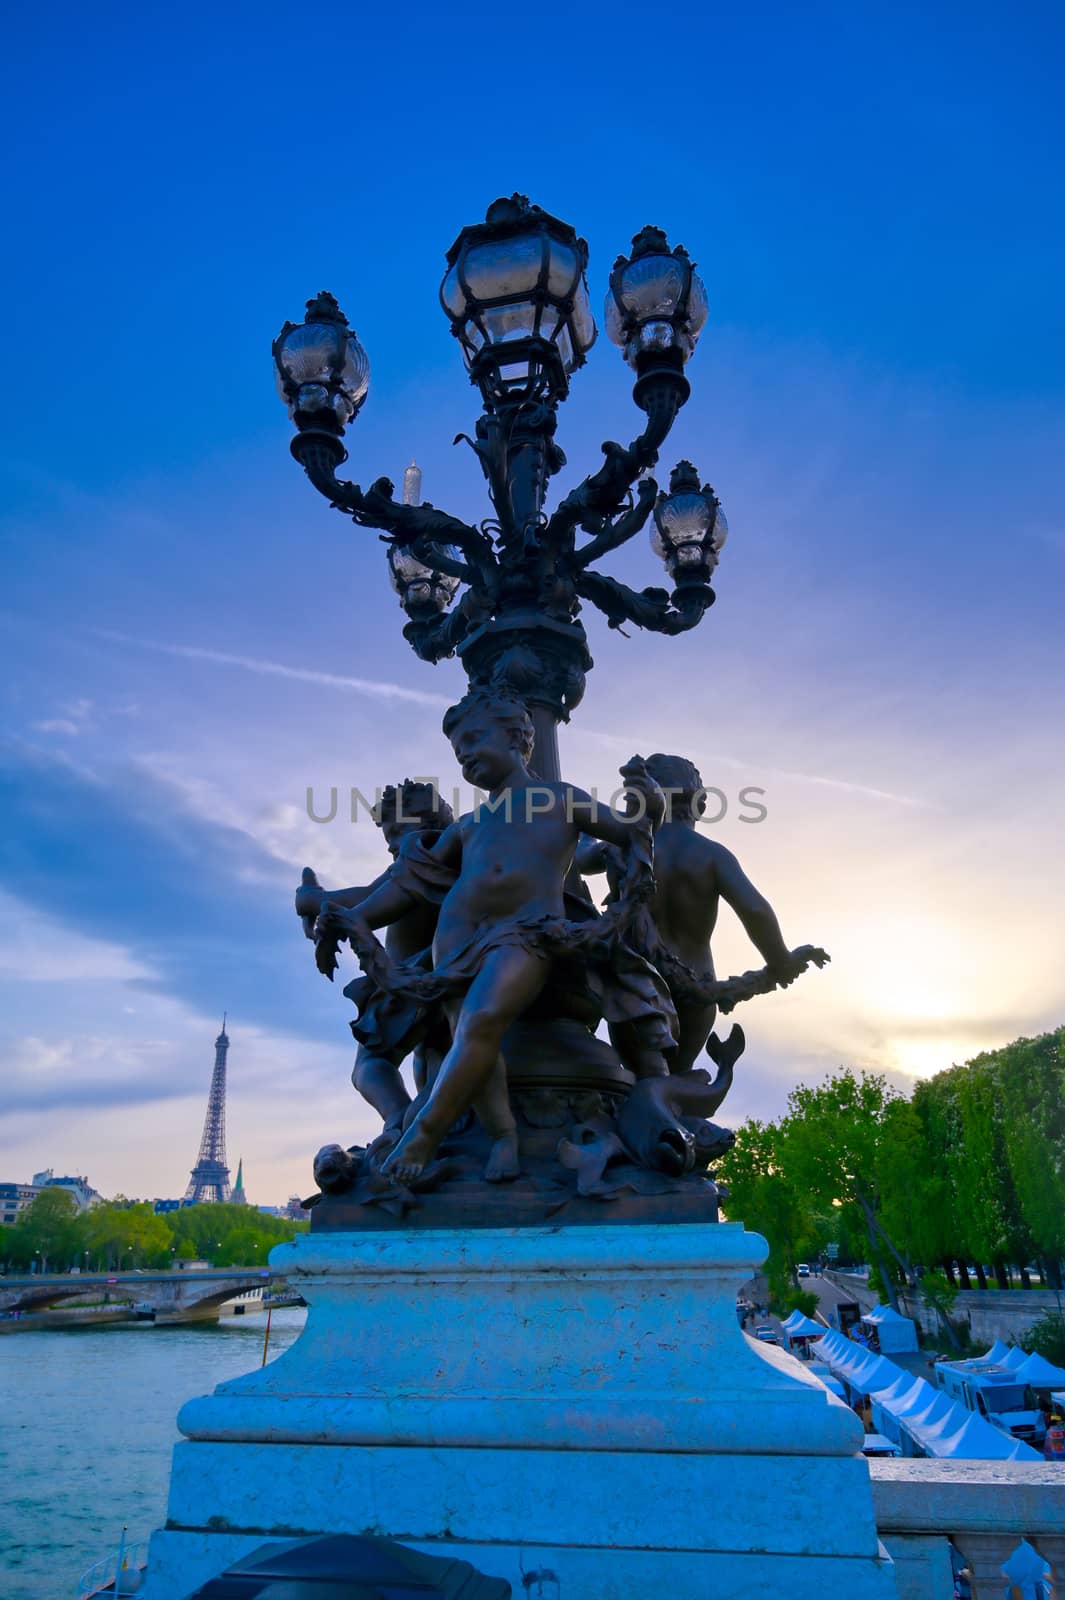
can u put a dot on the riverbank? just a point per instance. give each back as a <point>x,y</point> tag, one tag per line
<point>70,1317</point>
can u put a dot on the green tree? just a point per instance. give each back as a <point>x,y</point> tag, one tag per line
<point>760,1194</point>
<point>122,1234</point>
<point>1047,1338</point>
<point>228,1235</point>
<point>46,1232</point>
<point>1031,1091</point>
<point>834,1149</point>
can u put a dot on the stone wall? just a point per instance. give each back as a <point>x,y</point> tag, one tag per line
<point>989,1314</point>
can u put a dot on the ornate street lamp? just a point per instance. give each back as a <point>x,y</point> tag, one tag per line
<point>518,303</point>
<point>516,297</point>
<point>323,372</point>
<point>689,528</point>
<point>424,588</point>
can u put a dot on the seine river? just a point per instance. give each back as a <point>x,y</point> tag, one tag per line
<point>86,1430</point>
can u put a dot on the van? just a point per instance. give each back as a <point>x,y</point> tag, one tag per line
<point>994,1393</point>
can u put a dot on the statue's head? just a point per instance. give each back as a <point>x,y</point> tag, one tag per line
<point>410,807</point>
<point>487,729</point>
<point>682,785</point>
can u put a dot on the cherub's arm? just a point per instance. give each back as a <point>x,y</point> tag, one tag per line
<point>388,899</point>
<point>646,804</point>
<point>386,904</point>
<point>310,894</point>
<point>753,909</point>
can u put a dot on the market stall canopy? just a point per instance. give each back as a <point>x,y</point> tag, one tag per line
<point>896,1391</point>
<point>803,1328</point>
<point>876,1372</point>
<point>937,1423</point>
<point>915,1400</point>
<point>997,1353</point>
<point>1040,1373</point>
<point>928,1422</point>
<point>894,1332</point>
<point>977,1440</point>
<point>1013,1358</point>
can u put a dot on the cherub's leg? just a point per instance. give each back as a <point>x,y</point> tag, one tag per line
<point>497,1118</point>
<point>509,981</point>
<point>380,1083</point>
<point>696,1022</point>
<point>642,1059</point>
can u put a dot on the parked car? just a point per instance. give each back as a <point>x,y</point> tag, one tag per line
<point>766,1333</point>
<point>803,1269</point>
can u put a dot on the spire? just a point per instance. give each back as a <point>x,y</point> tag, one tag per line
<point>238,1197</point>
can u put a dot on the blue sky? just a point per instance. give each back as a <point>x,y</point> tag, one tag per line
<point>874,196</point>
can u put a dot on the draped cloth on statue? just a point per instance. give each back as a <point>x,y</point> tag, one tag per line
<point>626,987</point>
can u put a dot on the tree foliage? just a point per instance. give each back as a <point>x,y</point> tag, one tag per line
<point>51,1236</point>
<point>970,1169</point>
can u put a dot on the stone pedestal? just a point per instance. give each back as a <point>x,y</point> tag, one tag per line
<point>573,1401</point>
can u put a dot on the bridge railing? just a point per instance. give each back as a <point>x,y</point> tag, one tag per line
<point>1002,1522</point>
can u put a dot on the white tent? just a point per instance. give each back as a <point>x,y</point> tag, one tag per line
<point>1013,1358</point>
<point>913,1401</point>
<point>789,1320</point>
<point>803,1328</point>
<point>977,1440</point>
<point>868,1375</point>
<point>996,1355</point>
<point>927,1419</point>
<point>1040,1373</point>
<point>937,1423</point>
<point>894,1332</point>
<point>883,1402</point>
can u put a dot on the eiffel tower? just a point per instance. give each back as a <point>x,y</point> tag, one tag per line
<point>210,1175</point>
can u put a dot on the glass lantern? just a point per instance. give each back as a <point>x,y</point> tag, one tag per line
<point>422,589</point>
<point>322,370</point>
<point>517,299</point>
<point>689,528</point>
<point>656,303</point>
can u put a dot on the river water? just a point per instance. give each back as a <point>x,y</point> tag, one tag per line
<point>87,1423</point>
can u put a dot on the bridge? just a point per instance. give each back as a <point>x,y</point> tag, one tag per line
<point>197,1295</point>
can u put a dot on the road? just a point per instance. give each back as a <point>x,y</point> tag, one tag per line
<point>828,1295</point>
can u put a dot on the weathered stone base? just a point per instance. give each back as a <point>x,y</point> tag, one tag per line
<point>579,1400</point>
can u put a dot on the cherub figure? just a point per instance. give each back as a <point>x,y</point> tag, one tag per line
<point>501,921</point>
<point>389,1027</point>
<point>693,874</point>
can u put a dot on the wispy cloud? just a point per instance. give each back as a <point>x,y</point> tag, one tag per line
<point>383,690</point>
<point>373,687</point>
<point>648,742</point>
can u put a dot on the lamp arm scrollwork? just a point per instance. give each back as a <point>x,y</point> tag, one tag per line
<point>320,454</point>
<point>620,530</point>
<point>436,637</point>
<point>654,609</point>
<point>602,493</point>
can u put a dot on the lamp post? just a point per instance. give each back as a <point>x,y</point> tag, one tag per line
<point>516,297</point>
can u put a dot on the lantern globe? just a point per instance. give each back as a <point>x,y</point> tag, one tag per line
<point>421,588</point>
<point>321,369</point>
<point>656,303</point>
<point>688,528</point>
<point>517,299</point>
